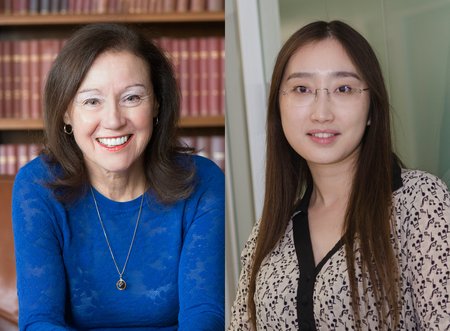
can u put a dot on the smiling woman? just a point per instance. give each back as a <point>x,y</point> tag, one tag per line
<point>117,225</point>
<point>348,240</point>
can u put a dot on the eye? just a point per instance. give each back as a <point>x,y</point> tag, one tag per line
<point>91,102</point>
<point>344,89</point>
<point>301,89</point>
<point>131,100</point>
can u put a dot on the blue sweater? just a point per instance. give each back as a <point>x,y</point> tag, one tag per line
<point>66,277</point>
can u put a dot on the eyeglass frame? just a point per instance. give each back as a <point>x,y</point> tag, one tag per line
<point>354,91</point>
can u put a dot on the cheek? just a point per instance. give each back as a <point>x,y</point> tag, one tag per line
<point>142,120</point>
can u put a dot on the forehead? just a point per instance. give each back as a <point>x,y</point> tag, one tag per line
<point>116,68</point>
<point>320,58</point>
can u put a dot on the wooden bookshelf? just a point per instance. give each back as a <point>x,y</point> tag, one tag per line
<point>13,124</point>
<point>62,19</point>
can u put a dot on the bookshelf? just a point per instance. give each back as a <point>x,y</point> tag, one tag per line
<point>66,19</point>
<point>175,25</point>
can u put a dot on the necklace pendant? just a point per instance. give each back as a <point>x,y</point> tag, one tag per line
<point>121,284</point>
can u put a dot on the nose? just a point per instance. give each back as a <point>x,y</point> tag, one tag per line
<point>321,107</point>
<point>112,117</point>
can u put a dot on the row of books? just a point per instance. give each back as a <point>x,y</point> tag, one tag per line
<point>198,63</point>
<point>85,7</point>
<point>14,156</point>
<point>211,147</point>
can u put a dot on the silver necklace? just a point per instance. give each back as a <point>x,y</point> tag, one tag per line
<point>121,284</point>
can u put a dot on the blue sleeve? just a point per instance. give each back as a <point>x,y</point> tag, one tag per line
<point>202,260</point>
<point>41,280</point>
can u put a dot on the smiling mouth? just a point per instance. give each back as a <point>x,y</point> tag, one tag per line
<point>114,142</point>
<point>323,135</point>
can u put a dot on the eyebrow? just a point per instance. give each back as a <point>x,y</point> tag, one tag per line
<point>334,74</point>
<point>98,91</point>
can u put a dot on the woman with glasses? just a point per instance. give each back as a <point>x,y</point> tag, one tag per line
<point>117,225</point>
<point>348,240</point>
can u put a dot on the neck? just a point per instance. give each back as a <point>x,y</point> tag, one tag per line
<point>120,186</point>
<point>332,183</point>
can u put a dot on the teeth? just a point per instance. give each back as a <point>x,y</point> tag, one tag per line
<point>111,142</point>
<point>323,135</point>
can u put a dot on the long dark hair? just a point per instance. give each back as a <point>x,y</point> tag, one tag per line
<point>368,215</point>
<point>169,175</point>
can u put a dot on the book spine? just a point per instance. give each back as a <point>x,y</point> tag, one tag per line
<point>54,6</point>
<point>197,5</point>
<point>204,74</point>
<point>34,7</point>
<point>17,79</point>
<point>10,159</point>
<point>86,7</point>
<point>159,7</point>
<point>2,84</point>
<point>78,7</point>
<point>2,159</point>
<point>184,73</point>
<point>213,76</point>
<point>71,7</point>
<point>45,7</point>
<point>203,146</point>
<point>19,7</point>
<point>35,80</point>
<point>218,150</point>
<point>214,5</point>
<point>102,7</point>
<point>152,6</point>
<point>22,156</point>
<point>49,50</point>
<point>24,62</point>
<point>194,87</point>
<point>182,6</point>
<point>222,75</point>
<point>33,151</point>
<point>8,7</point>
<point>64,7</point>
<point>169,6</point>
<point>7,78</point>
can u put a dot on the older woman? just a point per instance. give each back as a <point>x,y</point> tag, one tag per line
<point>116,225</point>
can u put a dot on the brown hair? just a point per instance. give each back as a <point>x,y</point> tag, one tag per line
<point>368,215</point>
<point>169,175</point>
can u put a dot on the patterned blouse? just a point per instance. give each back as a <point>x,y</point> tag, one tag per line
<point>421,229</point>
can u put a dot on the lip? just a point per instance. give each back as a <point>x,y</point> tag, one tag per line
<point>117,147</point>
<point>323,137</point>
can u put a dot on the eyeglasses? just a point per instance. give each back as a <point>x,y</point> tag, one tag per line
<point>98,102</point>
<point>302,96</point>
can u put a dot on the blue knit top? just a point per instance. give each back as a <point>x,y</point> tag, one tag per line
<point>66,277</point>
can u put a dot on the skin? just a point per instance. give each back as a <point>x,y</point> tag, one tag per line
<point>115,171</point>
<point>327,135</point>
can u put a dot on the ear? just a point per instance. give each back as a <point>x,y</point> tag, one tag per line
<point>368,122</point>
<point>66,118</point>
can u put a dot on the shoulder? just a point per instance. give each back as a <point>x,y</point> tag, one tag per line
<point>419,184</point>
<point>37,171</point>
<point>422,203</point>
<point>205,167</point>
<point>207,173</point>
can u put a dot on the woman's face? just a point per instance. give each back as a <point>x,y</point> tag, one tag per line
<point>324,107</point>
<point>112,113</point>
